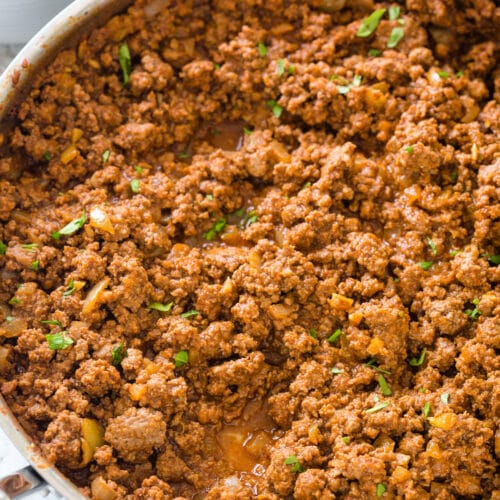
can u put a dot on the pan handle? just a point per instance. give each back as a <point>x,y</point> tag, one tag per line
<point>20,483</point>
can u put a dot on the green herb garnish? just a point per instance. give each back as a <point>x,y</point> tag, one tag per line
<point>335,336</point>
<point>295,464</point>
<point>181,359</point>
<point>458,74</point>
<point>118,354</point>
<point>474,313</point>
<point>381,489</point>
<point>158,306</point>
<point>369,24</point>
<point>409,149</point>
<point>344,89</point>
<point>125,62</point>
<point>280,67</point>
<point>377,407</point>
<point>138,169</point>
<point>493,259</point>
<point>14,301</point>
<point>336,371</point>
<point>372,363</point>
<point>3,248</point>
<point>58,341</point>
<point>453,253</point>
<point>426,409</point>
<point>47,155</point>
<point>420,360</point>
<point>218,227</point>
<point>71,288</point>
<point>135,185</point>
<point>395,37</point>
<point>247,131</point>
<point>384,386</point>
<point>71,228</point>
<point>31,247</point>
<point>291,69</point>
<point>394,11</point>
<point>51,322</point>
<point>189,314</point>
<point>262,49</point>
<point>346,439</point>
<point>275,108</point>
<point>432,245</point>
<point>105,156</point>
<point>35,265</point>
<point>443,74</point>
<point>425,265</point>
<point>313,333</point>
<point>9,319</point>
<point>374,52</point>
<point>445,398</point>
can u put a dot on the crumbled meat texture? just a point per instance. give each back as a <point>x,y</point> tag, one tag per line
<point>242,205</point>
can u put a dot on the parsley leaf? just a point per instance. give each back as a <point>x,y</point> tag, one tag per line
<point>59,340</point>
<point>181,359</point>
<point>280,67</point>
<point>35,265</point>
<point>420,360</point>
<point>295,464</point>
<point>384,386</point>
<point>125,62</point>
<point>336,371</point>
<point>158,306</point>
<point>381,489</point>
<point>71,288</point>
<point>71,228</point>
<point>262,49</point>
<point>474,313</point>
<point>51,322</point>
<point>118,354</point>
<point>395,37</point>
<point>432,245</point>
<point>105,156</point>
<point>275,108</point>
<point>135,186</point>
<point>47,155</point>
<point>31,247</point>
<point>443,74</point>
<point>394,11</point>
<point>346,439</point>
<point>409,149</point>
<point>426,409</point>
<point>356,82</point>
<point>369,24</point>
<point>313,333</point>
<point>374,52</point>
<point>188,314</point>
<point>3,248</point>
<point>247,131</point>
<point>219,225</point>
<point>377,407</point>
<point>14,300</point>
<point>493,259</point>
<point>335,336</point>
<point>426,265</point>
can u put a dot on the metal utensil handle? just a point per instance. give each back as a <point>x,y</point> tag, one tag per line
<point>21,482</point>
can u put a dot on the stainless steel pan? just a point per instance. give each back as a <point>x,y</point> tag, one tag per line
<point>62,31</point>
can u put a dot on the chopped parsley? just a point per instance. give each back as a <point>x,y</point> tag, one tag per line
<point>420,360</point>
<point>294,463</point>
<point>493,259</point>
<point>35,265</point>
<point>280,67</point>
<point>247,131</point>
<point>313,333</point>
<point>216,66</point>
<point>135,186</point>
<point>445,398</point>
<point>181,359</point>
<point>248,219</point>
<point>409,149</point>
<point>381,489</point>
<point>474,313</point>
<point>377,407</point>
<point>189,314</point>
<point>105,156</point>
<point>395,37</point>
<point>384,386</point>
<point>158,306</point>
<point>372,363</point>
<point>275,108</point>
<point>432,245</point>
<point>291,69</point>
<point>426,409</point>
<point>394,11</point>
<point>346,439</point>
<point>9,319</point>
<point>125,62</point>
<point>374,52</point>
<point>335,336</point>
<point>47,155</point>
<point>183,155</point>
<point>458,74</point>
<point>336,371</point>
<point>14,300</point>
<point>31,247</point>
<point>138,169</point>
<point>59,340</point>
<point>118,354</point>
<point>71,288</point>
<point>356,82</point>
<point>425,265</point>
<point>262,49</point>
<point>369,24</point>
<point>218,227</point>
<point>71,228</point>
<point>453,253</point>
<point>3,248</point>
<point>51,322</point>
<point>443,74</point>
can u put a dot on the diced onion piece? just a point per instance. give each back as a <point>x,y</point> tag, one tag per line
<point>400,474</point>
<point>227,287</point>
<point>92,438</point>
<point>314,434</point>
<point>137,391</point>
<point>340,302</point>
<point>100,220</point>
<point>280,311</point>
<point>76,135</point>
<point>279,152</point>
<point>384,442</point>
<point>445,421</point>
<point>375,98</point>
<point>376,345</point>
<point>254,259</point>
<point>69,154</point>
<point>78,284</point>
<point>433,450</point>
<point>497,444</point>
<point>101,490</point>
<point>355,318</point>
<point>13,328</point>
<point>4,362</point>
<point>95,293</point>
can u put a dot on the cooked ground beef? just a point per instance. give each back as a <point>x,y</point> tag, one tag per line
<point>280,274</point>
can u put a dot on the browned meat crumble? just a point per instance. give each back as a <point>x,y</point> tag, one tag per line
<point>250,250</point>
